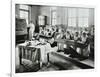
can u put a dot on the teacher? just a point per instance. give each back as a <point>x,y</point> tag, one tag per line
<point>31,30</point>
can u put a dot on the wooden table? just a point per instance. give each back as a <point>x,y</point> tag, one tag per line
<point>72,43</point>
<point>81,46</point>
<point>66,42</point>
<point>26,52</point>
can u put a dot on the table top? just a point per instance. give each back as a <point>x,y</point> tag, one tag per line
<point>35,45</point>
<point>68,41</point>
<point>64,40</point>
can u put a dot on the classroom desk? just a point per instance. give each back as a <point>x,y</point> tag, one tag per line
<point>63,42</point>
<point>69,43</point>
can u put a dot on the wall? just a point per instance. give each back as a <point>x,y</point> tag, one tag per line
<point>45,10</point>
<point>34,13</point>
<point>61,14</point>
<point>17,10</point>
<point>91,17</point>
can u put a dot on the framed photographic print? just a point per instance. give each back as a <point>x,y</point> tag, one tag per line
<point>51,37</point>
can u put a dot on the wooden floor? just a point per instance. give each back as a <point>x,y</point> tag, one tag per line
<point>66,61</point>
<point>56,63</point>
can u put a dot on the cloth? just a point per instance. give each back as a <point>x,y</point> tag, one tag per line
<point>68,36</point>
<point>44,49</point>
<point>77,38</point>
<point>59,36</point>
<point>31,30</point>
<point>43,54</point>
<point>83,39</point>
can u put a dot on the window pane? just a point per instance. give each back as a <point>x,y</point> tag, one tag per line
<point>83,15</point>
<point>41,20</point>
<point>54,14</point>
<point>54,17</point>
<point>80,22</point>
<point>25,7</point>
<point>83,12</point>
<point>54,21</point>
<point>83,22</point>
<point>24,15</point>
<point>72,12</point>
<point>72,22</point>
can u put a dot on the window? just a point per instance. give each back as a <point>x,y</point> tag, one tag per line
<point>54,17</point>
<point>72,22</point>
<point>83,15</point>
<point>72,17</point>
<point>41,20</point>
<point>78,16</point>
<point>24,12</point>
<point>25,7</point>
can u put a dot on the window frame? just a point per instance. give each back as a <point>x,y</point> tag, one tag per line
<point>53,17</point>
<point>25,10</point>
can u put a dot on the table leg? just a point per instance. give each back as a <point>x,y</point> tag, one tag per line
<point>48,57</point>
<point>29,54</point>
<point>20,56</point>
<point>26,53</point>
<point>32,54</point>
<point>81,51</point>
<point>22,52</point>
<point>40,59</point>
